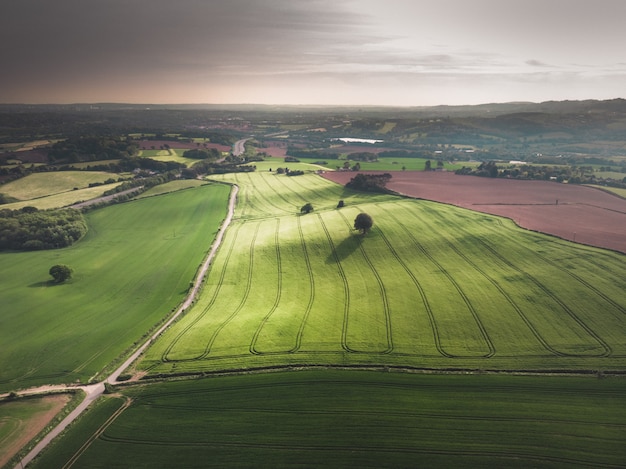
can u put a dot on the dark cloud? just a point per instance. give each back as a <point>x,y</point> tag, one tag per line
<point>78,40</point>
<point>260,50</point>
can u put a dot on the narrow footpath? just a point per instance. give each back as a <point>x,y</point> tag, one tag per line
<point>94,391</point>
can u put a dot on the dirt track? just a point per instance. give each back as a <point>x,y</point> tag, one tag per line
<point>573,212</point>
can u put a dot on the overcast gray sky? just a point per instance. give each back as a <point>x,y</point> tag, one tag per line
<point>387,52</point>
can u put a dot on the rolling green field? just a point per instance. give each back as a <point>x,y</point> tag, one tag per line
<point>431,286</point>
<point>131,270</point>
<point>333,418</point>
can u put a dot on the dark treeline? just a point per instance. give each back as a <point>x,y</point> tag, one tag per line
<point>30,229</point>
<point>78,149</point>
<point>570,174</point>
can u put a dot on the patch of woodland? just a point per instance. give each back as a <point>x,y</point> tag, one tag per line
<point>369,182</point>
<point>30,229</point>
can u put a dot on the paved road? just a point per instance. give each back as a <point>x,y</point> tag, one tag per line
<point>239,146</point>
<point>93,391</point>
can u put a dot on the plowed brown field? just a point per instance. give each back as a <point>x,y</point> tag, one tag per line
<point>573,212</point>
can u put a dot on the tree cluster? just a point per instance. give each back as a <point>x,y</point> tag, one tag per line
<point>369,182</point>
<point>209,167</point>
<point>203,154</point>
<point>77,149</point>
<point>30,229</point>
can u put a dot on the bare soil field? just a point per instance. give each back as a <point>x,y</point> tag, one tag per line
<point>27,430</point>
<point>275,148</point>
<point>577,213</point>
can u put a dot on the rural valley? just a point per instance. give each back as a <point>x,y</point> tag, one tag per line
<point>218,300</point>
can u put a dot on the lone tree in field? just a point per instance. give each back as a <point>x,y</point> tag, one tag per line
<point>363,222</point>
<point>60,273</point>
<point>307,208</point>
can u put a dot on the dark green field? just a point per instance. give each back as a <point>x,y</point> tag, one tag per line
<point>332,418</point>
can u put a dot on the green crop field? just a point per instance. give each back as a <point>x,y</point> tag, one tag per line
<point>431,286</point>
<point>63,199</point>
<point>38,185</point>
<point>131,270</point>
<point>334,418</point>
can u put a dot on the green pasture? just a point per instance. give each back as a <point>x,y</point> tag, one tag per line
<point>614,190</point>
<point>431,286</point>
<point>39,185</point>
<point>131,270</point>
<point>334,418</point>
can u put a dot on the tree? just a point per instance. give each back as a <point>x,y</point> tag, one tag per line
<point>60,273</point>
<point>363,222</point>
<point>306,208</point>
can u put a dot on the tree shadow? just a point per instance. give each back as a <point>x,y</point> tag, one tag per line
<point>345,248</point>
<point>46,283</point>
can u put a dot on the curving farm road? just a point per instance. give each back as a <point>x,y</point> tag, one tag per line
<point>94,391</point>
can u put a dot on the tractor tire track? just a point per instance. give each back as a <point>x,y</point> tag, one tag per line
<point>172,344</point>
<point>420,289</point>
<point>605,346</point>
<point>383,292</point>
<point>255,337</point>
<point>309,306</point>
<point>97,434</point>
<point>244,298</point>
<point>346,287</point>
<point>456,286</point>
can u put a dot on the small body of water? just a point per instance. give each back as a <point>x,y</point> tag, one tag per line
<point>357,140</point>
